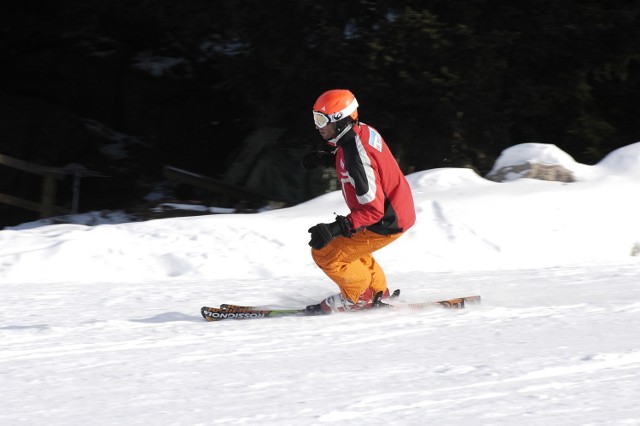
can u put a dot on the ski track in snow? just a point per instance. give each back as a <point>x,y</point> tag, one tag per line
<point>548,346</point>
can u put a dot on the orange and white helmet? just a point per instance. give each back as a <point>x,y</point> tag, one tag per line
<point>333,106</point>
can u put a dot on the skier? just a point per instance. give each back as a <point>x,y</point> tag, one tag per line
<point>377,194</point>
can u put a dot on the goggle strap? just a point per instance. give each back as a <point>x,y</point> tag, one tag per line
<point>347,110</point>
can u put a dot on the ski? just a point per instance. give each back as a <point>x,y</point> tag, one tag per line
<point>245,312</point>
<point>455,303</point>
<point>228,311</point>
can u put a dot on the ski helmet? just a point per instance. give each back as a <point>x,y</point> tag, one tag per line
<point>333,106</point>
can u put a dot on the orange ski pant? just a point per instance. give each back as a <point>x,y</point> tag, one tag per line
<point>349,263</point>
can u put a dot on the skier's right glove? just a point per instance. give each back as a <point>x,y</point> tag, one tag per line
<point>314,159</point>
<point>322,233</point>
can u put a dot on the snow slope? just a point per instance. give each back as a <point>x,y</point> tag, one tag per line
<point>100,325</point>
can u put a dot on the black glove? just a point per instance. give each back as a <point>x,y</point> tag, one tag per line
<point>314,159</point>
<point>322,233</point>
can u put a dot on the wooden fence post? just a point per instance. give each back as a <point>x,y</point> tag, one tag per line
<point>48,198</point>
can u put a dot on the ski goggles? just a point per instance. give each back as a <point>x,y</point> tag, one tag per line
<point>320,119</point>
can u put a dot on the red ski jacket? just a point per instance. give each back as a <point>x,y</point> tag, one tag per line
<point>376,191</point>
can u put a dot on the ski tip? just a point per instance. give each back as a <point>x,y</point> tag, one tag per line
<point>472,300</point>
<point>461,302</point>
<point>204,311</point>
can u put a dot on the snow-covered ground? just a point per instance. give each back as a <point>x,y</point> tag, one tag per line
<point>100,325</point>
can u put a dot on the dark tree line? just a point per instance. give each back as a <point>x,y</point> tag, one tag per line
<point>448,83</point>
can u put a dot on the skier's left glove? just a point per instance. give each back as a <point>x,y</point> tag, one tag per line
<point>322,233</point>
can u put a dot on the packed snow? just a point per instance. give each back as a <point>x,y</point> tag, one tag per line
<point>100,325</point>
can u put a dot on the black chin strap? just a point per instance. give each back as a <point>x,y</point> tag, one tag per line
<point>343,132</point>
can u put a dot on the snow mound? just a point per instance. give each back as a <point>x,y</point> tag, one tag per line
<point>539,153</point>
<point>546,159</point>
<point>623,161</point>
